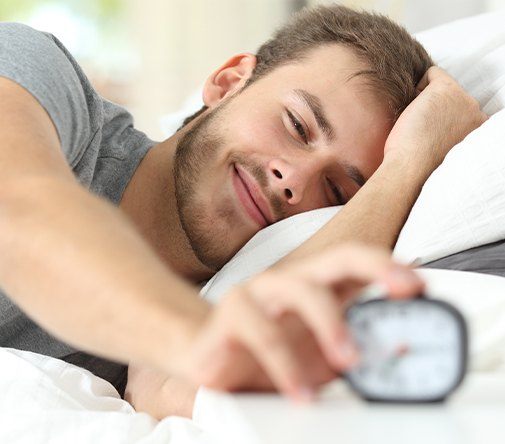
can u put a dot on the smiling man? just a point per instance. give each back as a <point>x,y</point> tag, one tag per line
<point>306,136</point>
<point>320,114</point>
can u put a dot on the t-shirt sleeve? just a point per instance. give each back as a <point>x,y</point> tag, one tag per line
<point>39,63</point>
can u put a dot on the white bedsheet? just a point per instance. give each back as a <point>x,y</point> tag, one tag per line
<point>45,400</point>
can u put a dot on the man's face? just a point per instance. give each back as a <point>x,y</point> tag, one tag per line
<point>300,138</point>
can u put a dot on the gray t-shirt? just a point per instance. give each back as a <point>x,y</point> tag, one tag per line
<point>100,145</point>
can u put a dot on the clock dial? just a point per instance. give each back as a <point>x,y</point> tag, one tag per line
<point>413,350</point>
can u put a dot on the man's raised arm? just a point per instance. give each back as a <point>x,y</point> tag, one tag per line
<point>439,118</point>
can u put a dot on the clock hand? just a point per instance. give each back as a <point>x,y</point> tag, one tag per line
<point>394,358</point>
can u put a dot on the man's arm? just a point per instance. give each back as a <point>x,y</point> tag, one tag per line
<point>440,117</point>
<point>159,395</point>
<point>71,260</point>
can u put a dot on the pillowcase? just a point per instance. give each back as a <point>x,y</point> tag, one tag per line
<point>472,50</point>
<point>266,248</point>
<point>462,205</point>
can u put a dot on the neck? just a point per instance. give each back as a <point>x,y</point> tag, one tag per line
<point>149,201</point>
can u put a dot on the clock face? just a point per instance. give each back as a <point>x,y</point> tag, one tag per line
<point>410,351</point>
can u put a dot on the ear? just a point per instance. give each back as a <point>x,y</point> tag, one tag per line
<point>228,79</point>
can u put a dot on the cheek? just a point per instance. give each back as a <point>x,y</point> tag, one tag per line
<point>222,208</point>
<point>315,199</point>
<point>257,133</point>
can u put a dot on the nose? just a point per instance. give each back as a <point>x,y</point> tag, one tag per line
<point>291,179</point>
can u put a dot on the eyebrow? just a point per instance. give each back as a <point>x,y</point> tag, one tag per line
<point>315,105</point>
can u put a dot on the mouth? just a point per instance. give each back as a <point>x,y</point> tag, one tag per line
<point>250,197</point>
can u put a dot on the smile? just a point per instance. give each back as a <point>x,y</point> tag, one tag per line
<point>246,199</point>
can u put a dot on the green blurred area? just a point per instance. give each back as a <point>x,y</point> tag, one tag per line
<point>97,9</point>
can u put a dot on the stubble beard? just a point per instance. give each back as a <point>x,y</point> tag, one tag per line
<point>195,153</point>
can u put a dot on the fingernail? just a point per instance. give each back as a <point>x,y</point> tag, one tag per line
<point>405,276</point>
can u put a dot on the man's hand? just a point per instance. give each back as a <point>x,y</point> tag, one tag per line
<point>284,328</point>
<point>440,117</point>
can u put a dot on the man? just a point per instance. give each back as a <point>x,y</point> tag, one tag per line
<point>307,122</point>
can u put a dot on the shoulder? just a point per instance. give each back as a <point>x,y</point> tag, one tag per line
<point>16,36</point>
<point>42,65</point>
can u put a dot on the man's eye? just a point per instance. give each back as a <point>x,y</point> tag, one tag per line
<point>337,193</point>
<point>298,127</point>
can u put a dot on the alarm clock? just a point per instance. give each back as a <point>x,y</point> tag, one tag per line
<point>411,351</point>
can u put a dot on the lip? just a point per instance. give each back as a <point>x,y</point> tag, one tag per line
<point>251,197</point>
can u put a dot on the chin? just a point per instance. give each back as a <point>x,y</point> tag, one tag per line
<point>216,231</point>
<point>232,247</point>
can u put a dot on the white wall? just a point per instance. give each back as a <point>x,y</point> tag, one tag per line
<point>180,42</point>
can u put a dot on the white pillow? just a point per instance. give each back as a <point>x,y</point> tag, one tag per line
<point>473,51</point>
<point>462,205</point>
<point>266,248</point>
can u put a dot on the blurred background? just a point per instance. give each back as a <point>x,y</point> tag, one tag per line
<point>150,55</point>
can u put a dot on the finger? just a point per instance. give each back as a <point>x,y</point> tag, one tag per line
<point>402,282</point>
<point>347,290</point>
<point>319,309</point>
<point>319,369</point>
<point>366,264</point>
<point>423,83</point>
<point>232,367</point>
<point>435,72</point>
<point>431,74</point>
<point>267,342</point>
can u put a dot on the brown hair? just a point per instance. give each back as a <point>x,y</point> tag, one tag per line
<point>396,61</point>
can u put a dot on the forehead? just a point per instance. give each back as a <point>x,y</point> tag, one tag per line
<point>359,116</point>
<point>329,71</point>
<point>331,62</point>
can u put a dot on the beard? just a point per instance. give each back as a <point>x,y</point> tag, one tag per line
<point>195,154</point>
<point>209,234</point>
